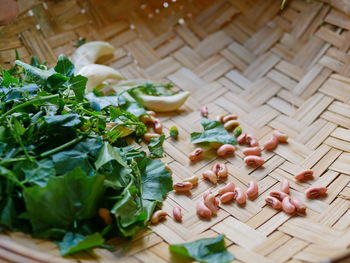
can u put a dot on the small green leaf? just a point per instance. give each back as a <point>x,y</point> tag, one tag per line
<point>78,85</point>
<point>214,131</point>
<point>156,180</point>
<point>8,79</point>
<point>37,74</point>
<point>107,154</point>
<point>206,250</point>
<point>156,146</point>
<point>73,242</point>
<point>64,66</point>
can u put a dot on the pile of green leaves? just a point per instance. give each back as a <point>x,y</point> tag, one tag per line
<point>64,155</point>
<point>214,132</point>
<point>206,250</point>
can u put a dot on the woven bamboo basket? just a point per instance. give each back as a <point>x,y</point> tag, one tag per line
<point>276,69</point>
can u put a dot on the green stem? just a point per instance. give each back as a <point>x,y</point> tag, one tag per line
<point>60,148</point>
<point>27,103</point>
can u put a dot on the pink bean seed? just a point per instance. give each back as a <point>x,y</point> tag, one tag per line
<point>252,190</point>
<point>182,186</point>
<point>210,176</point>
<point>252,141</point>
<point>299,206</point>
<point>271,144</point>
<point>229,117</point>
<point>315,192</point>
<point>158,126</point>
<point>285,186</point>
<point>211,202</point>
<point>278,194</point>
<point>226,149</point>
<point>273,202</point>
<point>196,154</point>
<point>252,151</point>
<point>227,197</point>
<point>177,214</point>
<point>242,139</point>
<point>203,211</point>
<point>241,197</point>
<point>229,187</point>
<point>287,206</point>
<point>254,161</point>
<point>204,111</point>
<point>281,137</point>
<point>220,170</point>
<point>304,176</point>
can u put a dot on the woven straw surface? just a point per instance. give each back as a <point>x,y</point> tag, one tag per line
<point>286,70</point>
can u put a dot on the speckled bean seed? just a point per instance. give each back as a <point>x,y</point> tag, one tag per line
<point>242,139</point>
<point>231,124</point>
<point>226,149</point>
<point>281,137</point>
<point>203,211</point>
<point>315,192</point>
<point>299,206</point>
<point>229,187</point>
<point>151,112</point>
<point>193,179</point>
<point>253,190</point>
<point>271,144</point>
<point>182,186</point>
<point>285,186</point>
<point>287,206</point>
<point>227,197</point>
<point>252,141</point>
<point>220,170</point>
<point>177,214</point>
<point>211,202</point>
<point>148,136</point>
<point>278,194</point>
<point>252,151</point>
<point>273,202</point>
<point>147,119</point>
<point>105,215</point>
<point>229,117</point>
<point>158,126</point>
<point>204,111</point>
<point>240,196</point>
<point>220,117</point>
<point>196,154</point>
<point>158,216</point>
<point>254,161</point>
<point>304,176</point>
<point>210,176</point>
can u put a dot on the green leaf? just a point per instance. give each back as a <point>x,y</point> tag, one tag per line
<point>38,172</point>
<point>66,161</point>
<point>214,131</point>
<point>38,75</point>
<point>156,146</point>
<point>156,180</point>
<point>64,66</point>
<point>8,79</point>
<point>73,242</point>
<point>107,154</point>
<point>64,200</point>
<point>7,213</point>
<point>78,85</point>
<point>55,82</point>
<point>67,120</point>
<point>205,250</point>
<point>98,103</point>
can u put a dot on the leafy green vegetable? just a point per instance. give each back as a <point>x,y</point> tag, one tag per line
<point>156,146</point>
<point>156,180</point>
<point>72,242</point>
<point>214,131</point>
<point>174,132</point>
<point>205,250</point>
<point>64,155</point>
